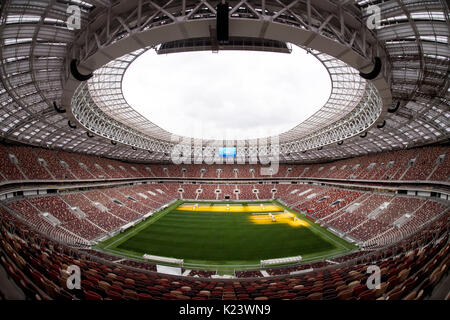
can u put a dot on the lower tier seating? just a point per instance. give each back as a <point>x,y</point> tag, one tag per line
<point>409,270</point>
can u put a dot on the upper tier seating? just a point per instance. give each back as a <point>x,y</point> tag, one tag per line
<point>8,169</point>
<point>53,164</point>
<point>425,164</point>
<point>29,164</point>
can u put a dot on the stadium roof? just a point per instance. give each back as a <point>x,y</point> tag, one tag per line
<point>37,88</point>
<point>105,88</point>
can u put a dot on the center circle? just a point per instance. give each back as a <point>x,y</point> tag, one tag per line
<point>227,95</point>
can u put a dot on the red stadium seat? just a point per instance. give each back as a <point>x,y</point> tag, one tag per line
<point>92,295</point>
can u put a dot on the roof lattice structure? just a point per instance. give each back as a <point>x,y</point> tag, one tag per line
<point>37,48</point>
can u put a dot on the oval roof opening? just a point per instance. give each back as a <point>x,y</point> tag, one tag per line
<point>227,95</point>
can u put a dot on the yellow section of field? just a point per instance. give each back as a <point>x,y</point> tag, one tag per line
<point>263,213</point>
<point>285,217</point>
<point>230,208</point>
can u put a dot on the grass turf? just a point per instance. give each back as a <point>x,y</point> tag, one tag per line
<point>225,238</point>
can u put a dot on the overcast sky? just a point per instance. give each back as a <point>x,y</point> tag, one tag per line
<point>227,95</point>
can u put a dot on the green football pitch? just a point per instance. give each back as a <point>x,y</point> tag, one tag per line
<point>240,234</point>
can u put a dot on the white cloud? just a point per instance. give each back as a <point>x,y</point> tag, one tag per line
<point>227,95</point>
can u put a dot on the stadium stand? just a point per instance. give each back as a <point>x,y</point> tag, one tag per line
<point>365,178</point>
<point>8,165</point>
<point>190,191</point>
<point>370,218</point>
<point>425,164</point>
<point>410,269</point>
